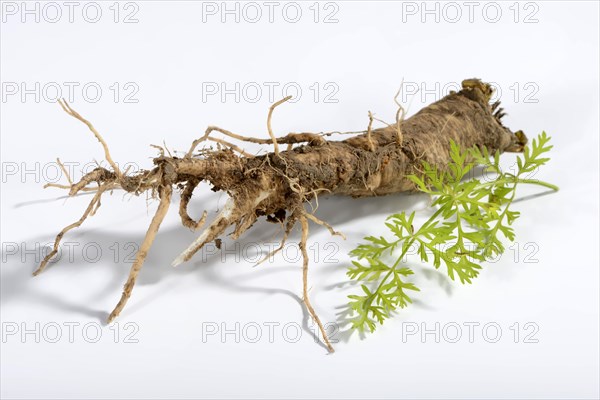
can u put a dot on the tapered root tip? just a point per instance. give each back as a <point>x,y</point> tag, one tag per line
<point>178,261</point>
<point>38,270</point>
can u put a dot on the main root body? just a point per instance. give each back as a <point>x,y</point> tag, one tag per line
<point>277,185</point>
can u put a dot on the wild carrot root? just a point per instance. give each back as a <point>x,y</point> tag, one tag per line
<point>277,185</point>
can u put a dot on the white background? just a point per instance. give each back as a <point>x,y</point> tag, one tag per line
<point>168,55</point>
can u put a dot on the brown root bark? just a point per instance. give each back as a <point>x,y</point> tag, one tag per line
<point>277,185</point>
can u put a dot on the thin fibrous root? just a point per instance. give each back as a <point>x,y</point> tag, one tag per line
<point>210,129</point>
<point>86,189</point>
<point>159,148</point>
<point>65,106</point>
<point>289,139</point>
<point>315,194</point>
<point>165,200</point>
<point>318,221</point>
<point>64,170</point>
<point>369,138</point>
<point>244,224</point>
<point>309,307</point>
<point>400,114</point>
<point>271,134</point>
<point>186,195</point>
<point>232,146</point>
<point>90,210</point>
<point>288,229</point>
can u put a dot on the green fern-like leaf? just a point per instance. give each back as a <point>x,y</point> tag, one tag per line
<point>471,220</point>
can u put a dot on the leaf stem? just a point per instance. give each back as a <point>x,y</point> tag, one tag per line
<point>518,180</point>
<point>541,183</point>
<point>412,240</point>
